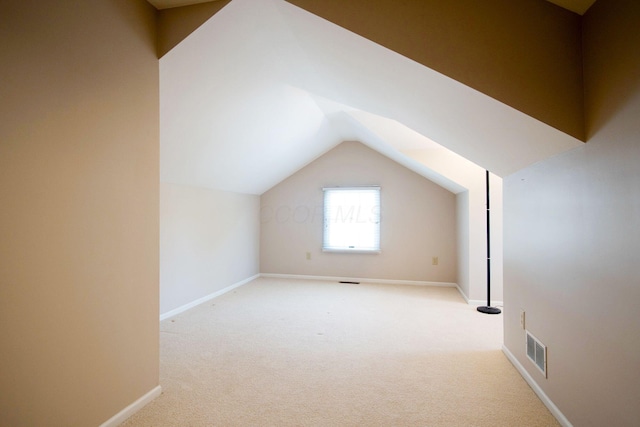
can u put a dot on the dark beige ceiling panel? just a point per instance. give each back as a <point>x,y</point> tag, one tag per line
<point>175,24</point>
<point>526,54</point>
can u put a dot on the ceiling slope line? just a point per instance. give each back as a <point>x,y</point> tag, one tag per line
<point>239,109</point>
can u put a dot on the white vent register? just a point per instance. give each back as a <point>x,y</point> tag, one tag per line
<point>537,353</point>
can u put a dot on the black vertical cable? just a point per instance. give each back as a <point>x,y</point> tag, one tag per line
<point>488,309</point>
<point>488,242</point>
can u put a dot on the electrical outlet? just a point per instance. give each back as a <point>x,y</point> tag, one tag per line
<point>522,323</point>
<point>434,260</point>
<point>308,255</point>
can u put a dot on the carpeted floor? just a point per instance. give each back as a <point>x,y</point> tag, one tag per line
<point>313,353</point>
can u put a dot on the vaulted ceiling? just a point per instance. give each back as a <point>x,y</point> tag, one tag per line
<point>264,87</point>
<point>577,6</point>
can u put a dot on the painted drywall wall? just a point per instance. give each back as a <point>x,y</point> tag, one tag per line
<point>472,222</point>
<point>475,277</point>
<point>209,240</point>
<point>572,240</point>
<point>418,221</point>
<point>496,216</point>
<point>462,223</point>
<point>79,219</point>
<point>525,53</point>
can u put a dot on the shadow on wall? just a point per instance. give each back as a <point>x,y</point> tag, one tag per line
<point>148,33</point>
<point>611,75</point>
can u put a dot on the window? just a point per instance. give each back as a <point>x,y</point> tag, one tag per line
<point>352,219</point>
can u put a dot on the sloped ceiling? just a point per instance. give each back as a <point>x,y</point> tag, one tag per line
<point>263,88</point>
<point>167,4</point>
<point>577,6</point>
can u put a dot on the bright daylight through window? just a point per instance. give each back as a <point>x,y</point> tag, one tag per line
<point>352,219</point>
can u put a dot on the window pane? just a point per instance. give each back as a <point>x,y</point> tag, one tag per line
<point>352,218</point>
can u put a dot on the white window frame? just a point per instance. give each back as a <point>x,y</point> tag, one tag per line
<point>358,219</point>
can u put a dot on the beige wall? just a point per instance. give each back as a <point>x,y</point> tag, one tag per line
<point>572,239</point>
<point>79,216</point>
<point>525,53</point>
<point>418,221</point>
<point>209,240</point>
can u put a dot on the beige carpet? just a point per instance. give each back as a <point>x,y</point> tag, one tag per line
<point>311,353</point>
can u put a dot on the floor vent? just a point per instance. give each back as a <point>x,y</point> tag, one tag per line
<point>537,353</point>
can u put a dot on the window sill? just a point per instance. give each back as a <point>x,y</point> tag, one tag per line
<point>352,251</point>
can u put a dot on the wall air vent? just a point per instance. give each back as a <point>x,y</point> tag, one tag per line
<point>537,353</point>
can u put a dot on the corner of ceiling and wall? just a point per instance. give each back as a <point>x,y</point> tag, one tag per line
<point>255,72</point>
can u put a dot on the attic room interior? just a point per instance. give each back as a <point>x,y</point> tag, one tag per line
<point>148,147</point>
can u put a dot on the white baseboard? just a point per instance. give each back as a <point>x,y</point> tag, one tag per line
<point>478,302</point>
<point>205,298</point>
<point>384,281</point>
<point>464,296</point>
<point>484,302</point>
<point>127,412</point>
<point>536,388</point>
<point>358,279</point>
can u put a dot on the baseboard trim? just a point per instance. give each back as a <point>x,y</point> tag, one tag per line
<point>484,302</point>
<point>358,279</point>
<point>536,388</point>
<point>464,296</point>
<point>127,412</point>
<point>206,298</point>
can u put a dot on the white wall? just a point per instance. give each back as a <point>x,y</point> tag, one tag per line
<point>497,241</point>
<point>418,221</point>
<point>572,240</point>
<point>464,255</point>
<point>472,222</point>
<point>208,241</point>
